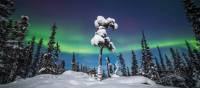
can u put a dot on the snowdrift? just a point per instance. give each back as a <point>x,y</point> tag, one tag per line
<point>70,79</point>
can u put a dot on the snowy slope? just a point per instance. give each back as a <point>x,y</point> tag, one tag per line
<point>70,79</point>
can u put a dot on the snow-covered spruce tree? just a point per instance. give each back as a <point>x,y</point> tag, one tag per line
<point>48,61</point>
<point>121,67</point>
<point>194,67</point>
<point>177,61</point>
<point>186,58</point>
<point>169,64</point>
<point>161,59</point>
<point>37,57</point>
<point>57,51</point>
<point>148,67</point>
<point>193,15</point>
<point>134,65</point>
<point>77,67</point>
<point>52,42</point>
<point>14,54</point>
<point>197,59</point>
<point>60,64</point>
<point>157,65</point>
<point>101,38</point>
<point>74,64</point>
<point>29,70</point>
<point>192,58</point>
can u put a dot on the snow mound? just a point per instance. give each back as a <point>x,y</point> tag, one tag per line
<point>70,79</point>
<point>137,80</point>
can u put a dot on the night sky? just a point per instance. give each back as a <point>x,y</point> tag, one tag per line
<point>163,21</point>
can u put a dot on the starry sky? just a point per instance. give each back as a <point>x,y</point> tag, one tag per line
<point>163,21</point>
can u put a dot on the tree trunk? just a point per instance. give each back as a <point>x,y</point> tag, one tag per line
<point>100,76</point>
<point>100,56</point>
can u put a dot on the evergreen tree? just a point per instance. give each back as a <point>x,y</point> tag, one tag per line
<point>30,50</point>
<point>48,62</point>
<point>193,15</point>
<point>196,62</point>
<point>148,67</point>
<point>161,59</point>
<point>14,54</point>
<point>191,55</point>
<point>123,66</point>
<point>51,42</point>
<point>134,65</point>
<point>177,61</point>
<point>6,8</point>
<point>158,65</point>
<point>63,64</point>
<point>37,57</point>
<point>77,67</point>
<point>169,64</point>
<point>57,51</point>
<point>128,72</point>
<point>188,62</point>
<point>74,67</point>
<point>182,63</point>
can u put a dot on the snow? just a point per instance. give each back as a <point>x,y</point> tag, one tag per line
<point>101,22</point>
<point>96,40</point>
<point>101,32</point>
<point>100,36</point>
<point>70,79</point>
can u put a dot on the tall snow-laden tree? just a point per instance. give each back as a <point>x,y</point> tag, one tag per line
<point>191,55</point>
<point>148,67</point>
<point>13,52</point>
<point>161,59</point>
<point>101,38</point>
<point>193,15</point>
<point>52,42</point>
<point>48,61</point>
<point>30,50</point>
<point>134,65</point>
<point>37,57</point>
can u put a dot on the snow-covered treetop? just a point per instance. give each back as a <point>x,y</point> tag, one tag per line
<point>100,38</point>
<point>102,23</point>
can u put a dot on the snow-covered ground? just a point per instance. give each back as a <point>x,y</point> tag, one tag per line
<point>70,79</point>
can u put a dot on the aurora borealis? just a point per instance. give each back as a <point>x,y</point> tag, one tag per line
<point>163,21</point>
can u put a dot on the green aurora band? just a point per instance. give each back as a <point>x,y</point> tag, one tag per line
<point>74,41</point>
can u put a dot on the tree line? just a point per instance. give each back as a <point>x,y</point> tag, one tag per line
<point>20,58</point>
